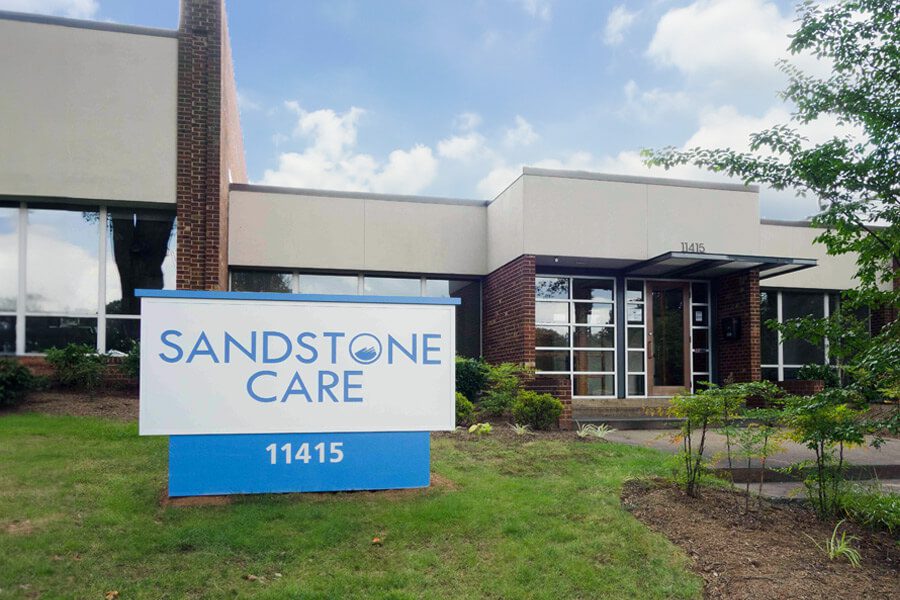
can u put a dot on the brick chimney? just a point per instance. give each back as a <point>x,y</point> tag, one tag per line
<point>210,147</point>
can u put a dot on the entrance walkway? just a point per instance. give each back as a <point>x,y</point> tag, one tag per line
<point>864,463</point>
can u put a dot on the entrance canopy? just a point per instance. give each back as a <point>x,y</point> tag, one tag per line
<point>697,265</point>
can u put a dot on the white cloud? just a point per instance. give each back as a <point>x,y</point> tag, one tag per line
<point>617,24</point>
<point>539,9</point>
<point>461,147</point>
<point>76,9</point>
<point>245,103</point>
<point>522,134</point>
<point>497,179</point>
<point>330,159</point>
<point>467,121</point>
<point>651,105</point>
<point>742,38</point>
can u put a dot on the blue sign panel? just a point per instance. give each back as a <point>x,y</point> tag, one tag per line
<point>297,462</point>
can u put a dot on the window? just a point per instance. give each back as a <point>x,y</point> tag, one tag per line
<point>635,336</point>
<point>262,281</point>
<point>781,359</point>
<point>9,276</point>
<point>68,274</point>
<point>468,313</point>
<point>575,332</point>
<point>700,334</point>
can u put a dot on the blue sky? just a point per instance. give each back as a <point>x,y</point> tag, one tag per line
<point>452,98</point>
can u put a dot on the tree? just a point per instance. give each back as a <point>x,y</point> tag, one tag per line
<point>855,177</point>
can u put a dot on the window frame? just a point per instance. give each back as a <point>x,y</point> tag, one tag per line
<point>22,313</point>
<point>778,292</point>
<point>571,324</point>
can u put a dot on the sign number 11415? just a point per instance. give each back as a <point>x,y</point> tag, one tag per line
<point>335,453</point>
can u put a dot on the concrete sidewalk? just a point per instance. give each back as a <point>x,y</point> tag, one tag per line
<point>791,453</point>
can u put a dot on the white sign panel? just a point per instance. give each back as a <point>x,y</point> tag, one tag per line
<point>215,366</point>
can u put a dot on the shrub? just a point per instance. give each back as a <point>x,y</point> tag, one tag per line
<point>15,382</point>
<point>465,410</point>
<point>826,423</point>
<point>871,506</point>
<point>504,381</point>
<point>519,430</point>
<point>471,377</point>
<point>77,366</point>
<point>131,363</point>
<point>589,430</point>
<point>538,411</point>
<point>481,428</point>
<point>839,547</point>
<point>824,373</point>
<point>697,412</point>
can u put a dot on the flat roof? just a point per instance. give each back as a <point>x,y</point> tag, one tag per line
<point>270,189</point>
<point>8,15</point>
<point>640,179</point>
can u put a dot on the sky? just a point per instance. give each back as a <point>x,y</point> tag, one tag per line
<point>452,98</point>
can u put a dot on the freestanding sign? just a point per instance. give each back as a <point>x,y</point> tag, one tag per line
<point>285,392</point>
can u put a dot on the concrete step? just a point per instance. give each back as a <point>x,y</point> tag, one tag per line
<point>635,422</point>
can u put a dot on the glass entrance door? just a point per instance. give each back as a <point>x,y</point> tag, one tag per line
<point>668,338</point>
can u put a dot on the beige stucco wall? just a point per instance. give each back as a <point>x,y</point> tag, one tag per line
<point>612,219</point>
<point>87,113</point>
<point>832,272</point>
<point>337,232</point>
<point>550,216</point>
<point>505,226</point>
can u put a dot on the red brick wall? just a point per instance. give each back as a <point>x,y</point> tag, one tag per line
<point>738,296</point>
<point>799,387</point>
<point>112,378</point>
<point>508,330</point>
<point>508,313</point>
<point>207,148</point>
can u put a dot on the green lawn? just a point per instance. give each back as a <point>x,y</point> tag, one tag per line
<point>536,519</point>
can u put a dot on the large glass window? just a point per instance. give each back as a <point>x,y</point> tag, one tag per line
<point>261,281</point>
<point>9,276</point>
<point>62,266</point>
<point>782,359</point>
<point>342,285</point>
<point>76,269</point>
<point>575,332</point>
<point>468,313</point>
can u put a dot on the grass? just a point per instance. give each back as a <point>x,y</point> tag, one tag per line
<point>538,518</point>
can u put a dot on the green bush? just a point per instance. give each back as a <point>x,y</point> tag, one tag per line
<point>131,363</point>
<point>538,411</point>
<point>77,366</point>
<point>471,377</point>
<point>465,410</point>
<point>504,382</point>
<point>15,382</point>
<point>824,373</point>
<point>871,506</point>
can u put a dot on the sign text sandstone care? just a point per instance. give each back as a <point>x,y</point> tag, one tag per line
<point>316,377</point>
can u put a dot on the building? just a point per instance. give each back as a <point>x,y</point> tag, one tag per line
<point>121,167</point>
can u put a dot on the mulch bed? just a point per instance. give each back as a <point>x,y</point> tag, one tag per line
<point>118,405</point>
<point>764,554</point>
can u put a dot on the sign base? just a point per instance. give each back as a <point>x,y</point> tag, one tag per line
<point>214,465</point>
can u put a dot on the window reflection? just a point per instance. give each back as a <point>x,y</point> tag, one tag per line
<point>345,285</point>
<point>7,335</point>
<point>392,286</point>
<point>62,271</point>
<point>9,257</point>
<point>43,333</point>
<point>140,254</point>
<point>261,281</point>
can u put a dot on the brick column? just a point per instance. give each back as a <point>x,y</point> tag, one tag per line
<point>201,204</point>
<point>508,313</point>
<point>738,296</point>
<point>508,330</point>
